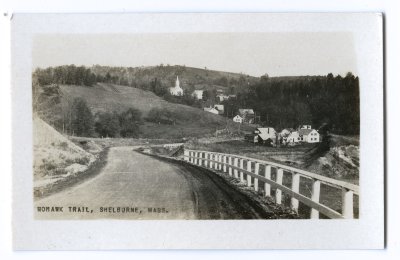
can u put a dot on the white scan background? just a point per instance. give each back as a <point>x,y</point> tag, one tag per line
<point>366,232</point>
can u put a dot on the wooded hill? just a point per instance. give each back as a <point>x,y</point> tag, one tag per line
<point>327,102</point>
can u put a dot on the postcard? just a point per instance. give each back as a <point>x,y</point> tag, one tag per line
<point>197,131</point>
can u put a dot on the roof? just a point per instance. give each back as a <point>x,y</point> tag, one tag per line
<point>246,111</point>
<point>266,130</point>
<point>305,131</point>
<point>209,109</point>
<point>265,136</point>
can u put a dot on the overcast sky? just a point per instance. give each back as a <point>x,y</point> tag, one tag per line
<point>278,54</point>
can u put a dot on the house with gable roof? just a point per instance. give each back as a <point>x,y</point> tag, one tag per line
<point>309,135</point>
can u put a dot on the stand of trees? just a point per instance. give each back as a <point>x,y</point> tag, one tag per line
<point>332,102</point>
<point>68,75</point>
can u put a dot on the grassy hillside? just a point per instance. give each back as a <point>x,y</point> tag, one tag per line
<point>190,121</point>
<point>54,155</point>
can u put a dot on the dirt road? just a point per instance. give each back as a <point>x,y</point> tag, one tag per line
<point>136,186</point>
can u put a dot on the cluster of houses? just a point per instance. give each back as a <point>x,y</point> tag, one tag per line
<point>288,136</point>
<point>217,109</point>
<point>198,93</point>
<point>262,135</point>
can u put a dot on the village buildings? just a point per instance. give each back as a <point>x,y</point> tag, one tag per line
<point>220,108</point>
<point>309,135</point>
<point>211,110</point>
<point>263,135</point>
<point>198,94</point>
<point>266,135</point>
<point>305,134</point>
<point>238,119</point>
<point>247,115</point>
<point>176,90</point>
<point>222,97</point>
<point>292,138</point>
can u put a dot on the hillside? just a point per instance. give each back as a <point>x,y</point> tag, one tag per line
<point>190,121</point>
<point>55,156</point>
<point>190,77</point>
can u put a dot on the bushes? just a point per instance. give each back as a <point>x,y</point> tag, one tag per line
<point>129,122</point>
<point>107,124</point>
<point>125,124</point>
<point>161,116</point>
<point>82,118</point>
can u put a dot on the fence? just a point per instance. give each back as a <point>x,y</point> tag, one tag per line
<point>234,165</point>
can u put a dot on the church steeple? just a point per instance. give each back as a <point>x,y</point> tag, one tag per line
<point>177,90</point>
<point>177,82</point>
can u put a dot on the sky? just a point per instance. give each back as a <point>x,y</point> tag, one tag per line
<point>255,54</point>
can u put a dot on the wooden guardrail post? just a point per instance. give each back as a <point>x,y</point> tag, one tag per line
<point>295,188</point>
<point>201,158</point>
<point>248,176</point>
<point>278,192</point>
<point>241,172</point>
<point>256,169</point>
<point>224,161</point>
<point>230,164</point>
<point>196,159</point>
<point>235,171</point>
<point>186,155</point>
<point>234,164</point>
<point>347,203</point>
<point>267,186</point>
<point>315,192</point>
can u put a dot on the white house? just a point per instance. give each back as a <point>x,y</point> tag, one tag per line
<point>293,138</point>
<point>220,108</point>
<point>247,114</point>
<point>198,94</point>
<point>238,119</point>
<point>177,90</point>
<point>211,110</point>
<point>309,135</point>
<point>284,134</point>
<point>222,97</point>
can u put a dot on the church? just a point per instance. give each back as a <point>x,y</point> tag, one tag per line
<point>177,90</point>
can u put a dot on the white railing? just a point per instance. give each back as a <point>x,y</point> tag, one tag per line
<point>234,165</point>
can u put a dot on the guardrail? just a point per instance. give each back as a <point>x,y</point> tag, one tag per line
<point>235,166</point>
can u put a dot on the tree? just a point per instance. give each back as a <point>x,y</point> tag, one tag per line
<point>107,124</point>
<point>130,121</point>
<point>82,118</point>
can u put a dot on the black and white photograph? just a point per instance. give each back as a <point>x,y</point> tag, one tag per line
<point>197,131</point>
<point>196,126</point>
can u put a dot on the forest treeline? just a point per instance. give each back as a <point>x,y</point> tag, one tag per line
<point>329,102</point>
